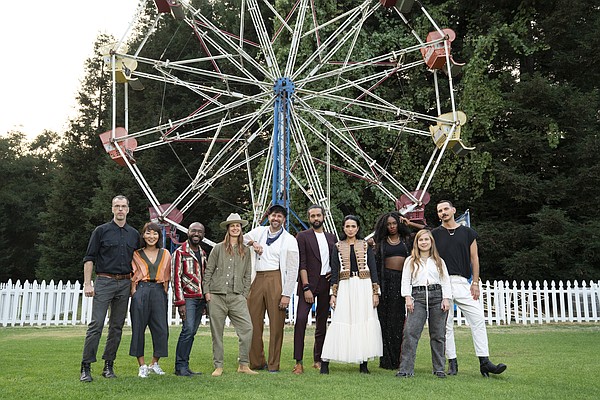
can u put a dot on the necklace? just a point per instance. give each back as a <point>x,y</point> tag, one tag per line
<point>451,232</point>
<point>393,243</point>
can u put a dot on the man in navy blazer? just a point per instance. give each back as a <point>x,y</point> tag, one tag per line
<point>315,247</point>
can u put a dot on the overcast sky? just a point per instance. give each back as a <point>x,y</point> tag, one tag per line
<point>45,44</point>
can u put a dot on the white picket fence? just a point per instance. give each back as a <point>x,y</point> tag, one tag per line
<point>51,304</point>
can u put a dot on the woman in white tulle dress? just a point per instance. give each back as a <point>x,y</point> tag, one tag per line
<point>354,335</point>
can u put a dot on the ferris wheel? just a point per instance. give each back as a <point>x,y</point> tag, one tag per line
<point>298,76</point>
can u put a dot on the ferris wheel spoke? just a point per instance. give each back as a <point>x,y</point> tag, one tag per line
<point>264,40</point>
<point>205,114</point>
<point>236,48</point>
<point>305,157</point>
<point>338,39</point>
<point>282,21</point>
<point>291,62</point>
<point>350,147</point>
<point>165,66</point>
<point>356,67</point>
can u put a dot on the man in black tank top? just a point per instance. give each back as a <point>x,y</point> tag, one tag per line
<point>457,245</point>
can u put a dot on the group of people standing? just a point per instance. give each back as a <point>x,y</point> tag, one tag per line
<point>382,291</point>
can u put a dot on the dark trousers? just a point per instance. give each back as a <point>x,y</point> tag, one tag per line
<point>321,295</point>
<point>194,308</point>
<point>108,294</point>
<point>149,309</point>
<point>392,313</point>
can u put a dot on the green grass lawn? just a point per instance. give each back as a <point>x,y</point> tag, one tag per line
<point>550,361</point>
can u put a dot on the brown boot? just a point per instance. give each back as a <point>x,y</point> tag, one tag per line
<point>244,369</point>
<point>217,372</point>
<point>298,369</point>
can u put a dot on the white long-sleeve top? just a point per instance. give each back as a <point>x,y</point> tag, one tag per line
<point>284,256</point>
<point>426,275</point>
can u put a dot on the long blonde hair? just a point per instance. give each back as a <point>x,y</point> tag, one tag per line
<point>415,261</point>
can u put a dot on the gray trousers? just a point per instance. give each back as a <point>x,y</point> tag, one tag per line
<point>149,309</point>
<point>235,307</point>
<point>428,306</point>
<point>108,294</point>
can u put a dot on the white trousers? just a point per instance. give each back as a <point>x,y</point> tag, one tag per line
<point>473,312</point>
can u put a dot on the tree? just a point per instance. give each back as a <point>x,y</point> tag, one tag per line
<point>71,213</point>
<point>25,167</point>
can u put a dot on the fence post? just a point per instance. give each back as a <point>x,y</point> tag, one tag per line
<point>538,298</point>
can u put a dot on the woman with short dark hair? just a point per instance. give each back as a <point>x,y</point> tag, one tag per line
<point>149,287</point>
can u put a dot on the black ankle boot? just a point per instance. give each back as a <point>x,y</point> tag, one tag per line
<point>486,367</point>
<point>325,367</point>
<point>108,371</point>
<point>363,368</point>
<point>452,366</point>
<point>86,372</point>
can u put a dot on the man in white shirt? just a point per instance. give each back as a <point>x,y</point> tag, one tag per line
<point>276,267</point>
<point>315,246</point>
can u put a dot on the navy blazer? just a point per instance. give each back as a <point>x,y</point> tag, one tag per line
<point>310,256</point>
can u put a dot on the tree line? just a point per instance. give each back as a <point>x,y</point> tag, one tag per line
<point>529,87</point>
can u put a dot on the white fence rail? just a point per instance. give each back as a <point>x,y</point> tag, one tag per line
<point>50,304</point>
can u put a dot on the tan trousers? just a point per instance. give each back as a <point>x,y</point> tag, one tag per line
<point>265,295</point>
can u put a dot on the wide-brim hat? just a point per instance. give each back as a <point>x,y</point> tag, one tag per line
<point>233,219</point>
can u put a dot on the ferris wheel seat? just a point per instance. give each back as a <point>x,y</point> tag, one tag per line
<point>404,6</point>
<point>455,67</point>
<point>443,129</point>
<point>170,6</point>
<point>435,54</point>
<point>459,148</point>
<point>112,146</point>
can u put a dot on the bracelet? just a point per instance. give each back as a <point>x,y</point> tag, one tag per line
<point>306,288</point>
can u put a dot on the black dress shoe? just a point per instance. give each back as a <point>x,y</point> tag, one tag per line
<point>184,372</point>
<point>108,371</point>
<point>86,373</point>
<point>452,366</point>
<point>486,367</point>
<point>324,368</point>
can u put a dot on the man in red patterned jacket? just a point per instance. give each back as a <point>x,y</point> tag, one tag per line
<point>188,263</point>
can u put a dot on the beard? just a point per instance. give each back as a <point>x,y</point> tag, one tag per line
<point>316,224</point>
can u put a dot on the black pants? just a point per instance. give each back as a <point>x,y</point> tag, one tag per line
<point>149,308</point>
<point>392,313</point>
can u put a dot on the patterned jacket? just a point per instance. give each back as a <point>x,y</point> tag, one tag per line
<point>186,275</point>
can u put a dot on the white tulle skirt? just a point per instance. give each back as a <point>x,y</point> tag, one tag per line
<point>354,335</point>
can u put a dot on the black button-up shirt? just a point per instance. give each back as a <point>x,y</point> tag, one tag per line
<point>111,248</point>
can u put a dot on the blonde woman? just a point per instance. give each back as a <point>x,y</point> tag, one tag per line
<point>426,288</point>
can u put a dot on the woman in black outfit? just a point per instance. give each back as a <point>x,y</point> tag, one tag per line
<point>392,244</point>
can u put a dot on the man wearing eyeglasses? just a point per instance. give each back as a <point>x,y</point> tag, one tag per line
<point>276,267</point>
<point>109,253</point>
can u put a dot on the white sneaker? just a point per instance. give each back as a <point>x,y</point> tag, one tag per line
<point>143,372</point>
<point>156,369</point>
